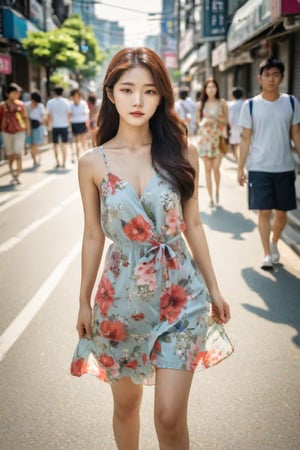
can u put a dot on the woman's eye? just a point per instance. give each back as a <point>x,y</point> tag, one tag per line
<point>150,91</point>
<point>125,91</point>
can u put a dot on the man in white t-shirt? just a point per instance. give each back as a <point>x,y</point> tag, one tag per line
<point>268,121</point>
<point>59,113</point>
<point>185,107</point>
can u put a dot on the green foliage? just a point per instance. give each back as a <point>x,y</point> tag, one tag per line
<point>72,46</point>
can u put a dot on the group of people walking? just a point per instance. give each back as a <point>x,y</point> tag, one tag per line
<point>26,124</point>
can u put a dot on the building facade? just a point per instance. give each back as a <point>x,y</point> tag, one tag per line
<point>227,39</point>
<point>17,18</point>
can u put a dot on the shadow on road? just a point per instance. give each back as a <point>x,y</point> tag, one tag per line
<point>227,222</point>
<point>280,294</point>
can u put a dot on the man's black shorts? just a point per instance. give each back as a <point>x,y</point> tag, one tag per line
<point>60,132</point>
<point>272,190</point>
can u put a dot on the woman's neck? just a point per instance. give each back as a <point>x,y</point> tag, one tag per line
<point>132,137</point>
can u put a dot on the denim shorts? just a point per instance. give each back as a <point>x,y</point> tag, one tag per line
<point>272,190</point>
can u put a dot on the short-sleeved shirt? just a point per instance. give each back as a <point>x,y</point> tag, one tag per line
<point>37,113</point>
<point>59,109</point>
<point>79,112</point>
<point>270,149</point>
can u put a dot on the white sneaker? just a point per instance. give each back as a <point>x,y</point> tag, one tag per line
<point>267,263</point>
<point>275,253</point>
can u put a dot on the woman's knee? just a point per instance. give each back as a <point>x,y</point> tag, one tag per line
<point>128,403</point>
<point>169,422</point>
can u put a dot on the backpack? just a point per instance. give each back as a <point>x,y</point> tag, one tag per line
<point>292,101</point>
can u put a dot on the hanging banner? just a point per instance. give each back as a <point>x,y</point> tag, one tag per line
<point>214,20</point>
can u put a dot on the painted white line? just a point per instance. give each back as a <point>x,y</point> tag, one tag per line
<point>23,319</point>
<point>11,242</point>
<point>22,195</point>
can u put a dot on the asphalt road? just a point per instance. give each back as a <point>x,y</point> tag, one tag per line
<point>249,402</point>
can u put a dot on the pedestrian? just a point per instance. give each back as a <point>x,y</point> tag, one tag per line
<point>186,109</point>
<point>268,121</point>
<point>79,121</point>
<point>212,127</point>
<point>14,125</point>
<point>94,106</point>
<point>37,115</point>
<point>234,110</point>
<point>59,113</point>
<point>150,314</point>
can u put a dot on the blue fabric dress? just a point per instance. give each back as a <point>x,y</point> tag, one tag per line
<point>152,307</point>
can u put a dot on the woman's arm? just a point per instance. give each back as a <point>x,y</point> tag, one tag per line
<point>196,239</point>
<point>223,118</point>
<point>92,244</point>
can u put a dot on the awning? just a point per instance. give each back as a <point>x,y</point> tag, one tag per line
<point>249,20</point>
<point>14,25</point>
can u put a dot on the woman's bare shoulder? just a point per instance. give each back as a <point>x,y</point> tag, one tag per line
<point>92,164</point>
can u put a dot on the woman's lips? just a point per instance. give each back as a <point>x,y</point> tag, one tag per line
<point>136,114</point>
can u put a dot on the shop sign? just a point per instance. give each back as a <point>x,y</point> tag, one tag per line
<point>170,60</point>
<point>186,43</point>
<point>219,54</point>
<point>214,17</point>
<point>289,7</point>
<point>249,20</point>
<point>284,8</point>
<point>37,14</point>
<point>203,52</point>
<point>5,64</point>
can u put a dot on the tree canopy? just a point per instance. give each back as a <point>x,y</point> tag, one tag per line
<point>72,46</point>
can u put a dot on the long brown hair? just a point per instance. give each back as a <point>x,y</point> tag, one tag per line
<point>169,136</point>
<point>204,97</point>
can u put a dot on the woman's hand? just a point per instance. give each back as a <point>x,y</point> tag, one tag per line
<point>84,321</point>
<point>220,310</point>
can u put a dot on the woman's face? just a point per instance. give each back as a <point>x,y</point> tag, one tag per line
<point>135,96</point>
<point>211,90</point>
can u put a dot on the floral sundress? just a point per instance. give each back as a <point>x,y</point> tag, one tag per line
<point>151,309</point>
<point>209,134</point>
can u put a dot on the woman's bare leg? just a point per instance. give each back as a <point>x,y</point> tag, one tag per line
<point>208,180</point>
<point>172,388</point>
<point>126,418</point>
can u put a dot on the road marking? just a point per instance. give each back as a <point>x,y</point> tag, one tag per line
<point>11,242</point>
<point>23,319</point>
<point>24,194</point>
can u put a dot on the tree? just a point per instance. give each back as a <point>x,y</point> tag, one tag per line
<point>53,49</point>
<point>84,37</point>
<point>72,46</point>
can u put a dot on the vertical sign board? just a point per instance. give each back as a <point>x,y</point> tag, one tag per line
<point>214,19</point>
<point>289,7</point>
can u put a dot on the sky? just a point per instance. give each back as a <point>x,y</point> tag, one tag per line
<point>137,23</point>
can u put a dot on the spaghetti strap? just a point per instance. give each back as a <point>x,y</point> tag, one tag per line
<point>102,153</point>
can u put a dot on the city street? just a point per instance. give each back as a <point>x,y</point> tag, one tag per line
<point>249,402</point>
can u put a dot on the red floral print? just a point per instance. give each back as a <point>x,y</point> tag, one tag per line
<point>114,331</point>
<point>105,295</point>
<point>106,361</point>
<point>144,358</point>
<point>113,181</point>
<point>132,364</point>
<point>172,302</point>
<point>208,359</point>
<point>76,367</point>
<point>138,229</point>
<point>138,316</point>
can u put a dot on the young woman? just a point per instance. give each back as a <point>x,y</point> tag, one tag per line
<point>37,117</point>
<point>213,124</point>
<point>79,121</point>
<point>151,310</point>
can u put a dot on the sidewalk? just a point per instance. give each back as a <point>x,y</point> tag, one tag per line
<point>4,166</point>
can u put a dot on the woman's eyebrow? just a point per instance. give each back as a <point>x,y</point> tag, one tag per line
<point>128,83</point>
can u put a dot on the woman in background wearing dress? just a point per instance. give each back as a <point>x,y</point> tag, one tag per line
<point>213,124</point>
<point>151,313</point>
